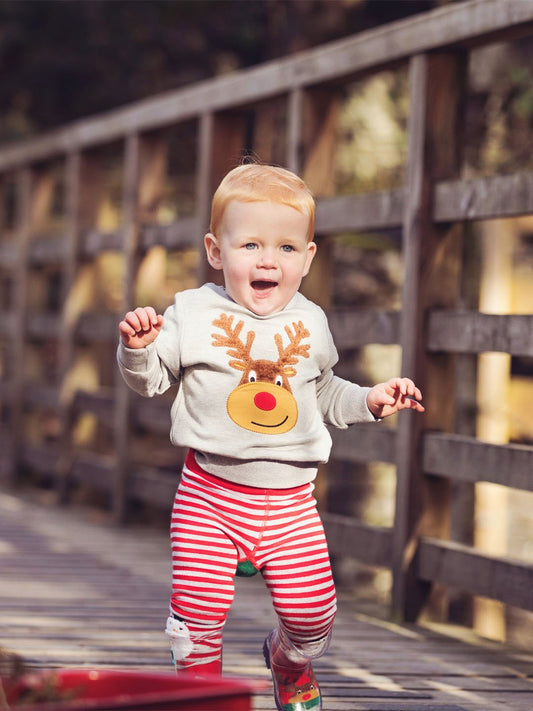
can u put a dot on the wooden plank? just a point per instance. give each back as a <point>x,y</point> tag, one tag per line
<point>99,403</point>
<point>450,25</point>
<point>180,234</point>
<point>97,326</point>
<point>474,332</point>
<point>44,250</point>
<point>42,395</point>
<point>364,443</point>
<point>53,557</point>
<point>95,469</point>
<point>466,459</point>
<point>41,458</point>
<point>93,242</point>
<point>353,328</point>
<point>370,211</point>
<point>484,198</point>
<point>510,581</point>
<point>151,415</point>
<point>355,539</point>
<point>43,326</point>
<point>153,486</point>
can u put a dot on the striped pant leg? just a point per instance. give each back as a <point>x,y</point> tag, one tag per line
<point>203,568</point>
<point>297,572</point>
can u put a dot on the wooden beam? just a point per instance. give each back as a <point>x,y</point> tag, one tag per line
<point>352,213</point>
<point>180,234</point>
<point>364,443</point>
<point>510,581</point>
<point>95,469</point>
<point>153,486</point>
<point>97,327</point>
<point>40,458</point>
<point>484,198</point>
<point>355,328</point>
<point>466,459</point>
<point>355,539</point>
<point>474,332</point>
<point>43,326</point>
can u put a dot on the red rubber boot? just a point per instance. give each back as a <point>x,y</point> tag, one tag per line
<point>200,658</point>
<point>295,685</point>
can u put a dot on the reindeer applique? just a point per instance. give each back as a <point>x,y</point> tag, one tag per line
<point>263,401</point>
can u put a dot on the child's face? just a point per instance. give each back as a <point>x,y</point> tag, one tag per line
<point>263,250</point>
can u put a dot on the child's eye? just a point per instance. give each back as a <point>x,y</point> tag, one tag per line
<point>250,245</point>
<point>288,248</point>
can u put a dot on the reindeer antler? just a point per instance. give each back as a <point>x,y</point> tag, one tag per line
<point>232,341</point>
<point>290,354</point>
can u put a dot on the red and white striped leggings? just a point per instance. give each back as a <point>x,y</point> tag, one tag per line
<point>217,524</point>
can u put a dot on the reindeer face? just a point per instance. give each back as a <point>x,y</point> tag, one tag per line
<point>263,407</point>
<point>263,401</point>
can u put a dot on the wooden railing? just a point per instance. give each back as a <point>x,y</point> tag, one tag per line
<point>42,334</point>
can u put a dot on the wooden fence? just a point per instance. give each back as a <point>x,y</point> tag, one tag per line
<point>281,111</point>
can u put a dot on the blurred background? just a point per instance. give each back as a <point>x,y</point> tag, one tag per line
<point>65,59</point>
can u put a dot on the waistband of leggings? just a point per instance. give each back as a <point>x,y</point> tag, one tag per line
<point>193,467</point>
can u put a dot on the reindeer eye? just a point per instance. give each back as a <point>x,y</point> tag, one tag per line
<point>252,376</point>
<point>278,380</point>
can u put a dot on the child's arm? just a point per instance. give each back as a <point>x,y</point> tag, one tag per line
<point>396,394</point>
<point>140,327</point>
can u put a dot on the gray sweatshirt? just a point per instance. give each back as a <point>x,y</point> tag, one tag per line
<point>254,393</point>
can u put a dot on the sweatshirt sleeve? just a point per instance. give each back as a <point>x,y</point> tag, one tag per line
<point>143,370</point>
<point>341,402</point>
<point>152,370</point>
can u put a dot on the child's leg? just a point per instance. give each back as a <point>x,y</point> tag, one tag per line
<point>298,575</point>
<point>203,569</point>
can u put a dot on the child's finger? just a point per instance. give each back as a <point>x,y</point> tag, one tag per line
<point>126,328</point>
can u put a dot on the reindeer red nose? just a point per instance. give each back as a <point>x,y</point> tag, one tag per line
<point>265,401</point>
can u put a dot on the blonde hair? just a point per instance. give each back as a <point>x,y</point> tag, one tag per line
<point>254,182</point>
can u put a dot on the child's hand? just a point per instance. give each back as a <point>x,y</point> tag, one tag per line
<point>396,394</point>
<point>140,327</point>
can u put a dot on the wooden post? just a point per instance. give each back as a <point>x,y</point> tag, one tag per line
<point>204,181</point>
<point>23,225</point>
<point>223,142</point>
<point>432,260</point>
<point>122,392</point>
<point>66,338</point>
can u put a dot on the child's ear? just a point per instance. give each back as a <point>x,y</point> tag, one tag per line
<point>311,251</point>
<point>212,251</point>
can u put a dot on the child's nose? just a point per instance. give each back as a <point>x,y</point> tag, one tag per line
<point>267,258</point>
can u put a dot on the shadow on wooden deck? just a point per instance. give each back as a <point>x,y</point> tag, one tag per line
<point>75,591</point>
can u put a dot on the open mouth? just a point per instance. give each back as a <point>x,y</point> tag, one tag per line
<point>263,285</point>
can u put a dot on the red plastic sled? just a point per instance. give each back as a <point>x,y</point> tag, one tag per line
<point>102,690</point>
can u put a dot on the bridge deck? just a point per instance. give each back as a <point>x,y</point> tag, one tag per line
<point>75,591</point>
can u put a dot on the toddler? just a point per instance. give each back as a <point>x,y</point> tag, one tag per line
<point>252,365</point>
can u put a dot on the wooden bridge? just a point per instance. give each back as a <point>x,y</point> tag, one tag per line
<point>88,210</point>
<point>78,592</point>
